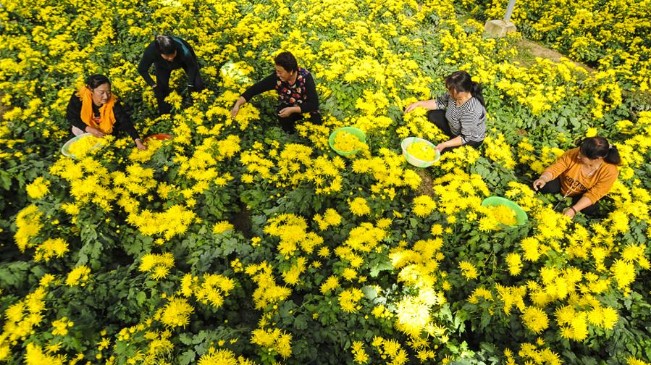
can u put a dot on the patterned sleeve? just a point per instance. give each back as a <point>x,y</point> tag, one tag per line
<point>442,101</point>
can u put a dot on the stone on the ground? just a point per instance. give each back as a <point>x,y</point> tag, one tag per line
<point>498,28</point>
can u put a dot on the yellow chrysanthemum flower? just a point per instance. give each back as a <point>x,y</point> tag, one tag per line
<point>535,319</point>
<point>422,151</point>
<point>38,188</point>
<point>176,313</point>
<point>78,276</point>
<point>468,270</point>
<point>359,207</point>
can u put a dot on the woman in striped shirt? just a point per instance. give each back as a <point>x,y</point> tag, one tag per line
<point>460,113</point>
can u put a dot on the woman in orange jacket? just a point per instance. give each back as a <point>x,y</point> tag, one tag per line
<point>585,173</point>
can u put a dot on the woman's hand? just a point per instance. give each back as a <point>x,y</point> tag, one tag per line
<point>454,142</point>
<point>234,111</point>
<point>412,106</point>
<point>570,212</point>
<point>538,184</point>
<point>541,181</point>
<point>141,146</point>
<point>286,112</point>
<point>426,104</point>
<point>94,131</point>
<point>236,107</point>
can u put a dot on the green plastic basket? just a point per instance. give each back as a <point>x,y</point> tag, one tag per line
<point>413,160</point>
<point>520,215</point>
<point>352,130</point>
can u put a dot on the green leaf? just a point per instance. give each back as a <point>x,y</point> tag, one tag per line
<point>485,320</point>
<point>141,297</point>
<point>12,274</point>
<point>185,339</point>
<point>187,357</point>
<point>300,322</point>
<point>5,180</point>
<point>378,266</point>
<point>370,292</point>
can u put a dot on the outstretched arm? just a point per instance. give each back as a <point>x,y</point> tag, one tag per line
<point>146,61</point>
<point>266,84</point>
<point>427,104</point>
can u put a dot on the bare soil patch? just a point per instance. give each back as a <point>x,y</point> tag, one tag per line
<point>426,187</point>
<point>530,50</point>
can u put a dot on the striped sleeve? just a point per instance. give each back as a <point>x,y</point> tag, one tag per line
<point>472,122</point>
<point>442,101</point>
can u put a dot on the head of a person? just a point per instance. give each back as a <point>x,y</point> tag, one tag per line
<point>593,148</point>
<point>457,82</point>
<point>596,148</point>
<point>286,65</point>
<point>166,47</point>
<point>100,88</point>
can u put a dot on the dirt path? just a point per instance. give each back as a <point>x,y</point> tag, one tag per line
<point>536,50</point>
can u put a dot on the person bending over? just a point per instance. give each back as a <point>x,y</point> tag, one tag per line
<point>168,53</point>
<point>585,173</point>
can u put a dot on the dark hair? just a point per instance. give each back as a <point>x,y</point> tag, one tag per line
<point>461,81</point>
<point>287,61</point>
<point>596,147</point>
<point>94,81</point>
<point>165,45</point>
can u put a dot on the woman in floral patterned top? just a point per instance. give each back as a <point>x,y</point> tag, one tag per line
<point>296,93</point>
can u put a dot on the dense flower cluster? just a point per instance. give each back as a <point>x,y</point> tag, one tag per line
<point>233,242</point>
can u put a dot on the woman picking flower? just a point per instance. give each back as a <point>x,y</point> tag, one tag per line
<point>167,54</point>
<point>585,173</point>
<point>460,113</point>
<point>94,109</point>
<point>296,93</point>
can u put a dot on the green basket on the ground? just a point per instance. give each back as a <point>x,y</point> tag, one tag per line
<point>520,215</point>
<point>413,160</point>
<point>352,130</point>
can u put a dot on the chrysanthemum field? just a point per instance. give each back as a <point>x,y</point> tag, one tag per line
<point>235,243</point>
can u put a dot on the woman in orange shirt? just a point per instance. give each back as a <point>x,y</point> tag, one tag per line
<point>585,173</point>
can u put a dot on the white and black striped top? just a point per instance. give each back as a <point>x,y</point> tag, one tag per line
<point>467,120</point>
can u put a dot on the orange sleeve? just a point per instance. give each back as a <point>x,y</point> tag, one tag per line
<point>605,179</point>
<point>562,163</point>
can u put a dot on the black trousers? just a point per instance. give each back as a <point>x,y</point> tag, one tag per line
<point>289,124</point>
<point>162,90</point>
<point>438,118</point>
<point>554,187</point>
